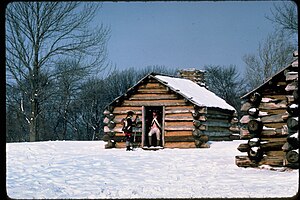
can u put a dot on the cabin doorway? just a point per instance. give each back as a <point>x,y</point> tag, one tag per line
<point>147,121</point>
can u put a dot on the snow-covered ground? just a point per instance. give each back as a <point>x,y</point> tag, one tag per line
<point>84,169</point>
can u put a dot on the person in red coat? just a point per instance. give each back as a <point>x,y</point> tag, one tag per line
<point>127,129</point>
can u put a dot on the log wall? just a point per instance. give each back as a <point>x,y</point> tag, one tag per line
<point>185,125</point>
<point>267,123</point>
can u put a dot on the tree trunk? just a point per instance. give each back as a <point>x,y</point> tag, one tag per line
<point>33,120</point>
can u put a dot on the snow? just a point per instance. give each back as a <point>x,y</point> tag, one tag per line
<point>200,95</point>
<point>295,135</point>
<point>268,128</point>
<point>84,169</point>
<point>294,106</point>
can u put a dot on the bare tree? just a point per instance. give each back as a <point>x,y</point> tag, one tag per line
<point>273,54</point>
<point>38,34</point>
<point>285,17</point>
<point>225,82</point>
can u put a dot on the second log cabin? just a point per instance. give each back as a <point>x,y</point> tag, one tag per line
<point>190,114</point>
<point>270,121</point>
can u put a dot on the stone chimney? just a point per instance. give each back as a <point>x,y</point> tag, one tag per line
<point>194,75</point>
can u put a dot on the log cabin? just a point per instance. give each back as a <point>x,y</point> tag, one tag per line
<point>270,121</point>
<point>190,114</point>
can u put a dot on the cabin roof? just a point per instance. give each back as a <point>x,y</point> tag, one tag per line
<point>280,72</point>
<point>191,91</point>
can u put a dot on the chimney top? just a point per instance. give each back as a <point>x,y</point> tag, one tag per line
<point>194,75</point>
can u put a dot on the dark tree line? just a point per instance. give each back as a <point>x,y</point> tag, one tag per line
<point>74,108</point>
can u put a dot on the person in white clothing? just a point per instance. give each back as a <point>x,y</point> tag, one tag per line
<point>155,128</point>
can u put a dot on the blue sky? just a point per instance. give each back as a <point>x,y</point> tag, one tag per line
<point>184,34</point>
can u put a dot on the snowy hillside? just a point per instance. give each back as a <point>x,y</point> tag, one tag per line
<point>73,169</point>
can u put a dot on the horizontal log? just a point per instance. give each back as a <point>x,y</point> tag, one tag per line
<point>290,76</point>
<point>270,100</point>
<point>177,115</point>
<point>152,86</point>
<point>179,119</point>
<point>157,97</point>
<point>121,145</point>
<point>274,96</point>
<point>178,133</point>
<point>244,147</point>
<point>272,146</point>
<point>278,154</point>
<point>281,83</point>
<point>275,132</point>
<point>125,109</point>
<point>182,145</point>
<point>217,124</point>
<point>273,118</point>
<point>178,123</point>
<point>179,128</point>
<point>278,139</point>
<point>153,91</point>
<point>179,139</point>
<point>292,86</point>
<point>271,112</point>
<point>272,161</point>
<point>154,102</point>
<point>218,129</point>
<point>217,133</point>
<point>274,125</point>
<point>244,161</point>
<point>270,106</point>
<point>178,111</point>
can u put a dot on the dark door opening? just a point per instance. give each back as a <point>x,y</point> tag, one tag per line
<point>148,117</point>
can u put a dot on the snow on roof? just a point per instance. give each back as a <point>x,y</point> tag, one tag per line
<point>192,91</point>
